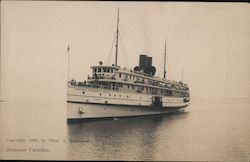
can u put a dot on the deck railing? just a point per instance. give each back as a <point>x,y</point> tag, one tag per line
<point>129,90</point>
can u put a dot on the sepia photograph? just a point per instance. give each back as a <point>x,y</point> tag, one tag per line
<point>129,81</point>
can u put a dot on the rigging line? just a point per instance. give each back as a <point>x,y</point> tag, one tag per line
<point>81,70</point>
<point>162,65</point>
<point>91,62</point>
<point>110,52</point>
<point>168,71</point>
<point>76,74</point>
<point>168,66</point>
<point>123,50</point>
<point>92,58</point>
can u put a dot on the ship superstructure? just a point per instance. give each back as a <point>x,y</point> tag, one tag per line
<point>112,91</point>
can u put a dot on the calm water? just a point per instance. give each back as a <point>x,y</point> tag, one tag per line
<point>211,130</point>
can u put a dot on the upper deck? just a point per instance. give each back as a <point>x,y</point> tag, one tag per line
<point>128,76</point>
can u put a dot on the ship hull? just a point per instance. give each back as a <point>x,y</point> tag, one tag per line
<point>92,104</point>
<point>92,111</point>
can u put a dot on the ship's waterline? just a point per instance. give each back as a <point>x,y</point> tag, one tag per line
<point>83,111</point>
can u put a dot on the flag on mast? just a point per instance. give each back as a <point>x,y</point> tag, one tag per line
<point>68,48</point>
<point>68,60</point>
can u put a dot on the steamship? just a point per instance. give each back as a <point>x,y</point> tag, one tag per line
<point>115,92</point>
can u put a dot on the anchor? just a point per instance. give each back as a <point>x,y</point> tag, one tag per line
<point>81,110</point>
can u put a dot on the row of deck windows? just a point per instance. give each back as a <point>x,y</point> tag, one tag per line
<point>105,70</point>
<point>149,81</point>
<point>133,77</point>
<point>169,94</point>
<point>140,89</point>
<point>129,76</point>
<point>119,95</point>
<point>126,76</point>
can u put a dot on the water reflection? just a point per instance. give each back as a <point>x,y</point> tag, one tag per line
<point>131,138</point>
<point>211,131</point>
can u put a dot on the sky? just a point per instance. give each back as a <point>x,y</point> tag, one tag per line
<point>207,42</point>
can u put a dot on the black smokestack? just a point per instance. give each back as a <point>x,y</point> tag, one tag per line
<point>145,64</point>
<point>149,62</point>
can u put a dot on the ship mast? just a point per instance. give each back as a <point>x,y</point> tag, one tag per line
<point>164,73</point>
<point>116,45</point>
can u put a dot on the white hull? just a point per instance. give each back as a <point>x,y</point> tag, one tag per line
<point>77,111</point>
<point>99,103</point>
